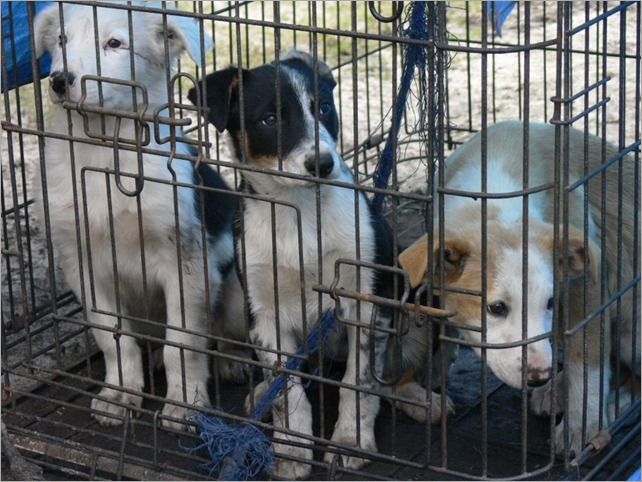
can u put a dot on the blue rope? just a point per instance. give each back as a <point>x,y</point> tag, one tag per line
<point>415,58</point>
<point>236,452</point>
<point>242,451</point>
<point>294,363</point>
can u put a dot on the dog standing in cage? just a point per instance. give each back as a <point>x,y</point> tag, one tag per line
<point>125,225</point>
<point>295,228</point>
<point>600,236</point>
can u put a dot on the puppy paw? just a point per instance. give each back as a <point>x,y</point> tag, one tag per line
<point>232,372</point>
<point>346,437</point>
<point>416,393</point>
<point>435,409</point>
<point>623,395</point>
<point>575,437</point>
<point>175,418</point>
<point>111,412</point>
<point>540,403</point>
<point>560,442</point>
<point>254,398</point>
<point>291,469</point>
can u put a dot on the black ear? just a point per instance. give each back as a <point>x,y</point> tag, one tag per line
<point>219,87</point>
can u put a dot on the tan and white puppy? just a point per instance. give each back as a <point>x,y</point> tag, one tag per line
<point>519,304</point>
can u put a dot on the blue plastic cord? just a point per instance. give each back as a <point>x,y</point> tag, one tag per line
<point>294,363</point>
<point>415,58</point>
<point>242,451</point>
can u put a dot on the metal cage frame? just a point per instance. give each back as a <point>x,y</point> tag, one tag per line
<point>51,367</point>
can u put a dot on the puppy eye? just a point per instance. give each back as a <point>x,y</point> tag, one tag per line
<point>498,309</point>
<point>62,39</point>
<point>114,43</point>
<point>324,108</point>
<point>269,120</point>
<point>549,305</point>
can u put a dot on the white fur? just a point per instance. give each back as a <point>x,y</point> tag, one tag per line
<point>337,242</point>
<point>507,276</point>
<point>74,180</point>
<point>504,224</point>
<point>338,239</point>
<point>297,232</point>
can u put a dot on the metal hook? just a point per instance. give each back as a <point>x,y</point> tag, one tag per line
<point>396,14</point>
<point>337,461</point>
<point>139,178</point>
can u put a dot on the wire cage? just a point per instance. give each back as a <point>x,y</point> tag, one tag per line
<point>569,64</point>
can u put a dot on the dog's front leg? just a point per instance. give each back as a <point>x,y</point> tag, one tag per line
<point>230,323</point>
<point>586,389</point>
<point>185,365</point>
<point>291,410</point>
<point>123,368</point>
<point>357,410</point>
<point>123,358</point>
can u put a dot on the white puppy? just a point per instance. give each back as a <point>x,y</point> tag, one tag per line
<point>133,247</point>
<point>519,323</point>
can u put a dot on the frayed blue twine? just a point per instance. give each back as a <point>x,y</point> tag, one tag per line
<point>294,363</point>
<point>242,451</point>
<point>236,452</point>
<point>416,28</point>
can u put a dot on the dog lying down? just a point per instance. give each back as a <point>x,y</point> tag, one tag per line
<point>608,239</point>
<point>279,245</point>
<point>154,270</point>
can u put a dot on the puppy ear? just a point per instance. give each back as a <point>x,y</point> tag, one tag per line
<point>45,29</point>
<point>183,35</point>
<point>576,254</point>
<point>219,86</point>
<point>455,253</point>
<point>415,260</point>
<point>324,69</point>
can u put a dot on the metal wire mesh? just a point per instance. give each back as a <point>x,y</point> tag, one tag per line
<point>571,64</point>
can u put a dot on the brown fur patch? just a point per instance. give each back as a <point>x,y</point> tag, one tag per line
<point>465,224</point>
<point>269,162</point>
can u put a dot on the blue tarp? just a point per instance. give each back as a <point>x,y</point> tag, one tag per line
<point>17,44</point>
<point>497,13</point>
<point>635,475</point>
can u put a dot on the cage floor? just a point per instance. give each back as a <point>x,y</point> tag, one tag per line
<point>53,426</point>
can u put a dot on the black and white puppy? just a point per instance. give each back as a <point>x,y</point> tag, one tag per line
<point>295,229</point>
<point>142,262</point>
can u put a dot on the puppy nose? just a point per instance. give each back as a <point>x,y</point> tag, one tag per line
<point>326,164</point>
<point>537,377</point>
<point>59,81</point>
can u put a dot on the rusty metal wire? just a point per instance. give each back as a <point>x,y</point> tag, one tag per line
<point>566,71</point>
